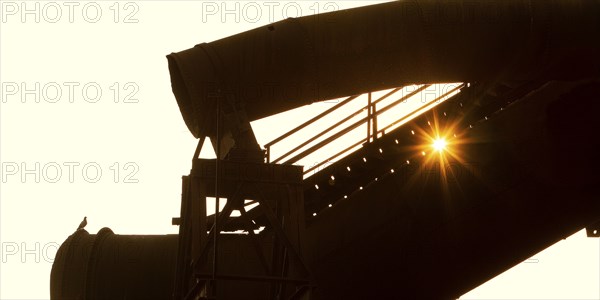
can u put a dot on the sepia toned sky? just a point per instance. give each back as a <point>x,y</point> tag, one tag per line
<point>89,127</point>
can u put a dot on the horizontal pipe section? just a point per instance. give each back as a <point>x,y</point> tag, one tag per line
<point>110,266</point>
<point>298,61</point>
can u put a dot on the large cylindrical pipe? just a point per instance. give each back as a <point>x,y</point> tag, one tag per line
<point>110,266</point>
<point>301,60</point>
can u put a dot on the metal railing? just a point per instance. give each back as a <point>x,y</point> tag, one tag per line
<point>373,132</point>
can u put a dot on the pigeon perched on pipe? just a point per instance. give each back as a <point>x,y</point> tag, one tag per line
<point>82,224</point>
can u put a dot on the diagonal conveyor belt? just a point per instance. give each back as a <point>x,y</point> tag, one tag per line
<point>429,230</point>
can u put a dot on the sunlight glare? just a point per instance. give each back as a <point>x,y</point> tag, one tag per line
<point>439,144</point>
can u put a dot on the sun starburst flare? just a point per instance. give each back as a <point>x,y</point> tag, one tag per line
<point>440,144</point>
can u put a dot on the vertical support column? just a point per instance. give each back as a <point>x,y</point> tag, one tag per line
<point>369,118</point>
<point>295,224</point>
<point>298,191</point>
<point>217,198</point>
<point>180,276</point>
<point>374,114</point>
<point>198,216</point>
<point>192,232</point>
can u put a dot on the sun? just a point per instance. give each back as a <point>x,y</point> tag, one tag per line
<point>439,144</point>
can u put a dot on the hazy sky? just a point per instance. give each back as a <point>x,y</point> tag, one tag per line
<point>90,127</point>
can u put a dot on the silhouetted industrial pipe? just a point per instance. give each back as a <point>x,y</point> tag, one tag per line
<point>297,61</point>
<point>110,266</point>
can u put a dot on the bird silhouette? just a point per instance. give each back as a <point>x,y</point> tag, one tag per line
<point>82,224</point>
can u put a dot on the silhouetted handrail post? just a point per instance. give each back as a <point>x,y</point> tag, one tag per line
<point>216,222</point>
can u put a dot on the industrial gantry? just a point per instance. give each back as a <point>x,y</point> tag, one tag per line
<point>500,166</point>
